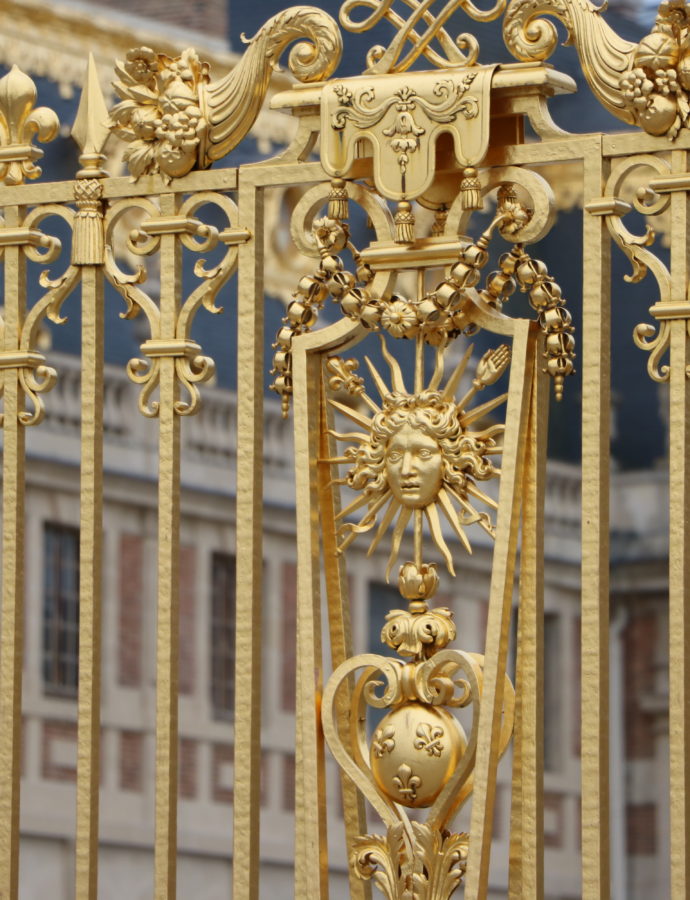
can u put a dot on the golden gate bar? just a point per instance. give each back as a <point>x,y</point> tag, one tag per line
<point>448,133</point>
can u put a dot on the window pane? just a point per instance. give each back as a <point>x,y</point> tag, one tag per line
<point>60,609</point>
<point>222,635</point>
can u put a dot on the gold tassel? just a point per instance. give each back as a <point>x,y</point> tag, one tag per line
<point>88,243</point>
<point>404,223</point>
<point>337,200</point>
<point>471,189</point>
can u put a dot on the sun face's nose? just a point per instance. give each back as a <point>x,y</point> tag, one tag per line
<point>408,461</point>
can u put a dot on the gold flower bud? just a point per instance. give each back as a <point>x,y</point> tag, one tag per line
<point>428,312</point>
<point>473,255</point>
<point>448,296</point>
<point>353,301</point>
<point>418,583</point>
<point>464,275</point>
<point>331,264</point>
<point>371,315</point>
<point>311,289</point>
<point>283,338</point>
<point>340,283</point>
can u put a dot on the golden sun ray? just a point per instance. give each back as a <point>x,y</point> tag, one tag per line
<point>452,516</point>
<point>398,532</point>
<point>476,516</point>
<point>383,527</point>
<point>356,504</point>
<point>366,523</point>
<point>479,411</point>
<point>378,380</point>
<point>397,380</point>
<point>434,521</point>
<point>358,436</point>
<point>438,367</point>
<point>353,414</point>
<point>454,380</point>
<point>480,495</point>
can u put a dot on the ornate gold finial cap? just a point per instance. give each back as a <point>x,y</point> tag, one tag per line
<point>418,583</point>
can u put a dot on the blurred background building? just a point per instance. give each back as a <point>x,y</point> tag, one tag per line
<point>51,44</point>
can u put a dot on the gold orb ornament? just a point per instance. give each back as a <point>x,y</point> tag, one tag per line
<point>414,752</point>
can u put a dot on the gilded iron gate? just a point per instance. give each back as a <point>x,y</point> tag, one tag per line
<point>430,454</point>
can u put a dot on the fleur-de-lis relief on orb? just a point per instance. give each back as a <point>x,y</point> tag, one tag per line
<point>383,741</point>
<point>429,739</point>
<point>407,782</point>
<point>20,121</point>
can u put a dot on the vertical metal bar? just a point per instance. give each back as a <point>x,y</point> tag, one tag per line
<point>527,816</point>
<point>311,853</point>
<point>90,583</point>
<point>12,623</point>
<point>512,465</point>
<point>679,548</point>
<point>596,402</point>
<point>339,629</point>
<point>249,516</point>
<point>167,633</point>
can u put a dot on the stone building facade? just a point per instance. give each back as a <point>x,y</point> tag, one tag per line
<point>639,725</point>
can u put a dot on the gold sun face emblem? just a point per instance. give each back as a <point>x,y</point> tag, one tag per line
<point>418,454</point>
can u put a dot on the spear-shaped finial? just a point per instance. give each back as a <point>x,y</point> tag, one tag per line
<point>92,125</point>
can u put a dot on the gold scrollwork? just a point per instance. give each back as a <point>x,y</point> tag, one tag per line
<point>191,366</point>
<point>36,378</point>
<point>463,51</point>
<point>637,248</point>
<point>436,867</point>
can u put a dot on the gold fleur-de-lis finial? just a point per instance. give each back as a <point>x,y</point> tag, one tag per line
<point>19,122</point>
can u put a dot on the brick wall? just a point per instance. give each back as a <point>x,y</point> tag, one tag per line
<point>289,637</point>
<point>59,758</point>
<point>130,614</point>
<point>187,768</point>
<point>641,829</point>
<point>131,760</point>
<point>187,618</point>
<point>639,641</point>
<point>208,16</point>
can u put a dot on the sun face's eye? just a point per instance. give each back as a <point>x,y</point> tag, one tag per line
<point>425,453</point>
<point>395,455</point>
